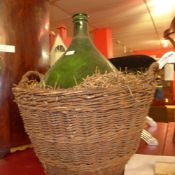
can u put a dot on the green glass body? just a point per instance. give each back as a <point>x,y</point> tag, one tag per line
<point>80,60</point>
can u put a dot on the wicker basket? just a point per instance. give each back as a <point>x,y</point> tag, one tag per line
<point>85,131</point>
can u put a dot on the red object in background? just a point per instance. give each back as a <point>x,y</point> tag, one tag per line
<point>102,39</point>
<point>21,163</point>
<point>169,148</point>
<point>153,53</point>
<point>62,31</point>
<point>174,89</point>
<point>157,103</point>
<point>51,39</point>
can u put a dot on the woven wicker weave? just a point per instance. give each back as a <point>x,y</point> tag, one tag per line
<point>86,131</point>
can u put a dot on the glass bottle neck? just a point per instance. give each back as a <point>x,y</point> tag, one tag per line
<point>81,28</point>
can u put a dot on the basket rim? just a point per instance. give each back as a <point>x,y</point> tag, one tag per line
<point>91,90</point>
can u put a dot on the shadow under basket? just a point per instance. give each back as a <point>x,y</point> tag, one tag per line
<point>92,129</point>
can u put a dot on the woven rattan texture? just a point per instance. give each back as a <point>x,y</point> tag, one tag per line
<point>86,131</point>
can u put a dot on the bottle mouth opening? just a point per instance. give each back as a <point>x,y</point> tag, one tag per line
<point>79,16</point>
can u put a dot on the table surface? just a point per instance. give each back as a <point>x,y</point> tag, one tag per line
<point>26,162</point>
<point>164,134</point>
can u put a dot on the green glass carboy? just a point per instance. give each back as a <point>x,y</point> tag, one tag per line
<point>80,60</point>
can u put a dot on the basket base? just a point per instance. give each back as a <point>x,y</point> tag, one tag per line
<point>51,170</point>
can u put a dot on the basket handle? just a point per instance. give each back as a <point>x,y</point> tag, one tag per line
<point>30,77</point>
<point>151,73</point>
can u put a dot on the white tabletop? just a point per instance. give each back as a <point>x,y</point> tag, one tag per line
<point>144,164</point>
